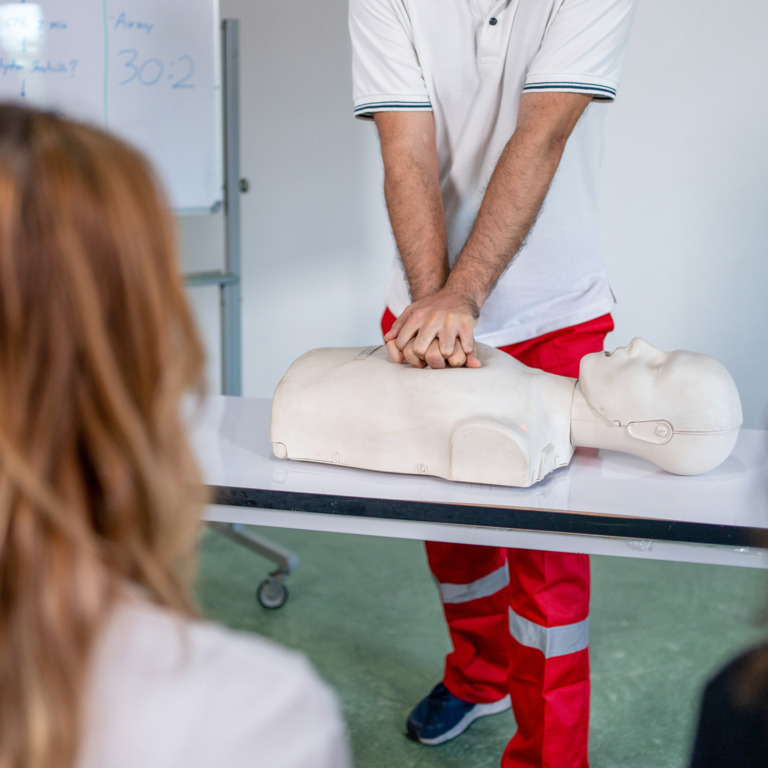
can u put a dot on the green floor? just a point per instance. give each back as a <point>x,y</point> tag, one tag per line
<point>365,610</point>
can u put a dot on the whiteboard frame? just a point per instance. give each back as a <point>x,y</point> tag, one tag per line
<point>219,118</point>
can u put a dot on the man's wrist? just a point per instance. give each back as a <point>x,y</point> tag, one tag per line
<point>468,288</point>
<point>425,292</point>
<point>431,282</point>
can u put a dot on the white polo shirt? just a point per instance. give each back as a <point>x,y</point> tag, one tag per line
<point>469,62</point>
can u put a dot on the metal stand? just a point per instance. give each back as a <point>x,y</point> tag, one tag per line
<point>229,280</point>
<point>272,592</point>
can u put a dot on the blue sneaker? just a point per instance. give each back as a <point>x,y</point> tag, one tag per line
<point>441,717</point>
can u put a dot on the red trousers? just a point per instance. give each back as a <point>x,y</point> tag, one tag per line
<point>518,618</point>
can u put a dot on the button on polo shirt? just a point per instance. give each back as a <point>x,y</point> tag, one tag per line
<point>448,57</point>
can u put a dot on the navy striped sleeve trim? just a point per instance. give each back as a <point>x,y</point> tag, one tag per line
<point>602,92</point>
<point>368,109</point>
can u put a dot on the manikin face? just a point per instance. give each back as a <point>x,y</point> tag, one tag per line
<point>638,383</point>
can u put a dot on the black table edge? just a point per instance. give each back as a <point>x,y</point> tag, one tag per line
<point>509,518</point>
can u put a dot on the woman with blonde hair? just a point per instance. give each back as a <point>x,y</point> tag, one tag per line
<point>103,663</point>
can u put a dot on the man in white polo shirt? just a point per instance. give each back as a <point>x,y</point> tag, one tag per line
<point>491,141</point>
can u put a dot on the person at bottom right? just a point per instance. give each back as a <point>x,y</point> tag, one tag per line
<point>732,730</point>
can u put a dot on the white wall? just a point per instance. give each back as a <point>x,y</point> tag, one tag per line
<point>316,242</point>
<point>684,210</point>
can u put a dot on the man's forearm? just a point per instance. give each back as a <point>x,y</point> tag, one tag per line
<point>414,201</point>
<point>514,196</point>
<point>511,204</point>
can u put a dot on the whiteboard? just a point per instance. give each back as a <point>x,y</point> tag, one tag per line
<point>147,70</point>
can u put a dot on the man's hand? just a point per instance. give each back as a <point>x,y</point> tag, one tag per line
<point>435,331</point>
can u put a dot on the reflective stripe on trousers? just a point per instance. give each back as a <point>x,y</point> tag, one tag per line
<point>551,641</point>
<point>483,587</point>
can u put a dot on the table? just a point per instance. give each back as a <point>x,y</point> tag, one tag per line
<point>603,503</point>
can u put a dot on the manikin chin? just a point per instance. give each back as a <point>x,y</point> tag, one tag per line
<point>505,423</point>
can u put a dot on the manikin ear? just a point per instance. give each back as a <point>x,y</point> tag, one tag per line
<point>656,432</point>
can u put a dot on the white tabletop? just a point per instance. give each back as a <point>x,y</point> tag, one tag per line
<point>602,503</point>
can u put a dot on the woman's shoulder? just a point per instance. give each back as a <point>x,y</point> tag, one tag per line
<point>215,692</point>
<point>157,642</point>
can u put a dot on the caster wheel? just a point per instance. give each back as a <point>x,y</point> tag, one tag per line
<point>272,593</point>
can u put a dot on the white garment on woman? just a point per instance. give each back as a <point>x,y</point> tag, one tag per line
<point>171,693</point>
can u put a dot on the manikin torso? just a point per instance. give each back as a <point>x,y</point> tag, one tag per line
<point>503,423</point>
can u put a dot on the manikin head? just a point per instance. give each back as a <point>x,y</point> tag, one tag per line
<point>680,410</point>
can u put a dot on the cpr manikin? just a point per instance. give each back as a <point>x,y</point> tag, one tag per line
<point>504,423</point>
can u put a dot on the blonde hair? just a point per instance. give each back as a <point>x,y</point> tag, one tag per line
<point>97,481</point>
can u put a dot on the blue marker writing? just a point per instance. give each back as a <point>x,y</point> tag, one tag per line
<point>123,22</point>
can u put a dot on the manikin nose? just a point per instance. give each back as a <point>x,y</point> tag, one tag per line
<point>641,348</point>
<point>637,345</point>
